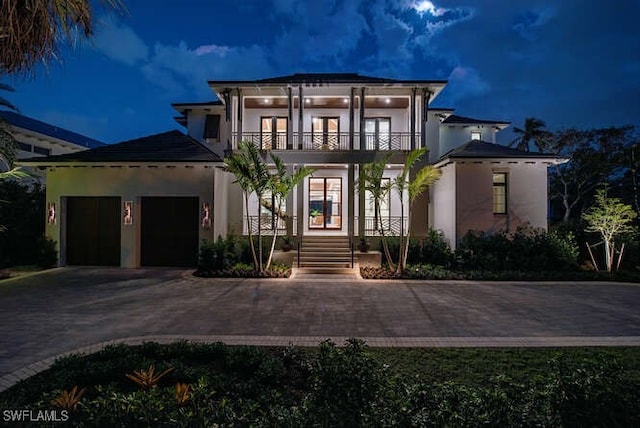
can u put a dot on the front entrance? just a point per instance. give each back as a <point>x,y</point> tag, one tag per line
<point>325,203</point>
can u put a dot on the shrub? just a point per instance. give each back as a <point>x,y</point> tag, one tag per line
<point>218,255</point>
<point>433,249</point>
<point>47,255</point>
<point>526,249</point>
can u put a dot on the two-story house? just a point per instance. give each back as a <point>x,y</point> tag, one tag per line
<point>150,201</point>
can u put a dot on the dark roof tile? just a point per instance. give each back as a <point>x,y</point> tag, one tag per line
<point>482,149</point>
<point>455,119</point>
<point>172,146</point>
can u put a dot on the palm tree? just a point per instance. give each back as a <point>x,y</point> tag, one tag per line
<point>30,29</point>
<point>534,131</point>
<point>414,188</point>
<point>371,182</point>
<point>7,142</point>
<point>281,184</point>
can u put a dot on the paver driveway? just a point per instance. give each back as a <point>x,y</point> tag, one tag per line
<point>64,309</point>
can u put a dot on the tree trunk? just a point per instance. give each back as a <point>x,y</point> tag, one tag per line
<point>383,238</point>
<point>253,250</point>
<point>275,236</point>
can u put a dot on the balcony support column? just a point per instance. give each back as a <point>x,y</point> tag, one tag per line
<point>226,96</point>
<point>300,117</point>
<point>361,205</point>
<point>352,98</point>
<point>413,118</point>
<point>240,108</point>
<point>351,189</point>
<point>300,208</point>
<point>290,123</point>
<point>289,202</point>
<point>363,142</point>
<point>426,97</point>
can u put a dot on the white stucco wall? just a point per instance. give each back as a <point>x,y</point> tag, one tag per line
<point>130,184</point>
<point>443,203</point>
<point>526,201</point>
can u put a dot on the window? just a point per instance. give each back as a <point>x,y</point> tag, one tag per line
<point>371,215</point>
<point>212,126</point>
<point>270,216</point>
<point>325,133</point>
<point>24,147</point>
<point>499,192</point>
<point>273,133</point>
<point>377,133</point>
<point>475,135</point>
<point>41,151</point>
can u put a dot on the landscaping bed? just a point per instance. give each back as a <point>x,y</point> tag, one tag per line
<point>219,385</point>
<point>241,270</point>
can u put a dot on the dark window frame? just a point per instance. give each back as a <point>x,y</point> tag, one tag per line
<point>211,124</point>
<point>505,186</point>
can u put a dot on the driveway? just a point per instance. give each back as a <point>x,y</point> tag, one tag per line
<point>68,308</point>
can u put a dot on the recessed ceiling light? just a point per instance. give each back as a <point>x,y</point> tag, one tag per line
<point>387,100</point>
<point>345,100</point>
<point>306,100</point>
<point>266,100</point>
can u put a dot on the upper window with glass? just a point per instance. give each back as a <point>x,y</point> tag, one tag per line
<point>476,135</point>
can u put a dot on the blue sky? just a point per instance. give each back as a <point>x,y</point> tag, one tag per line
<point>568,62</point>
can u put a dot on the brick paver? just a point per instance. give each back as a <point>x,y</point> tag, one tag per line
<point>73,309</point>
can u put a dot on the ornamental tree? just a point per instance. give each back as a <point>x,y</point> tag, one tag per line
<point>610,218</point>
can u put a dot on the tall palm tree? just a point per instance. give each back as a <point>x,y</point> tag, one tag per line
<point>534,132</point>
<point>31,29</point>
<point>371,183</point>
<point>413,188</point>
<point>282,183</point>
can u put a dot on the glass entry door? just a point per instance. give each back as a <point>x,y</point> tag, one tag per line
<point>325,203</point>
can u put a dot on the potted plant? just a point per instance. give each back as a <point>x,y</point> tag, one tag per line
<point>286,244</point>
<point>363,246</point>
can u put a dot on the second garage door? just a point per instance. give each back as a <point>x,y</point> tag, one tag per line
<point>169,231</point>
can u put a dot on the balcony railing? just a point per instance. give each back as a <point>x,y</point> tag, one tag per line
<point>389,225</point>
<point>268,224</point>
<point>328,141</point>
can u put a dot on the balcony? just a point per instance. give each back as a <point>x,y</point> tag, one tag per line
<point>400,141</point>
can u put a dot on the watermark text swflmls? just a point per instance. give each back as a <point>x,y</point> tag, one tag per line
<point>27,415</point>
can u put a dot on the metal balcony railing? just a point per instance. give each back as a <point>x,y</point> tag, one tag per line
<point>329,141</point>
<point>268,224</point>
<point>389,225</point>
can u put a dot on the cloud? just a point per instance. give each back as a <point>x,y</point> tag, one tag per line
<point>119,42</point>
<point>425,6</point>
<point>528,23</point>
<point>465,82</point>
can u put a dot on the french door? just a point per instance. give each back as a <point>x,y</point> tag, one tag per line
<point>273,133</point>
<point>325,203</point>
<point>378,133</point>
<point>325,133</point>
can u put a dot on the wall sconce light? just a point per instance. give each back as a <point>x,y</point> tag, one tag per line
<point>127,213</point>
<point>51,213</point>
<point>206,215</point>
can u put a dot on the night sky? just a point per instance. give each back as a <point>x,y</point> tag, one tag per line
<point>567,62</point>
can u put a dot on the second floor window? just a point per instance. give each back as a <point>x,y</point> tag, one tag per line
<point>377,133</point>
<point>212,126</point>
<point>476,135</point>
<point>273,133</point>
<point>325,133</point>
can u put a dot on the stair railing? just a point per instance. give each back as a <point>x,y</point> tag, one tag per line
<point>299,243</point>
<point>352,244</point>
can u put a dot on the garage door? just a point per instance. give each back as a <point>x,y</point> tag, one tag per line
<point>93,231</point>
<point>169,231</point>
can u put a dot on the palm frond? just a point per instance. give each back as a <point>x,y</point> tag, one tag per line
<point>423,179</point>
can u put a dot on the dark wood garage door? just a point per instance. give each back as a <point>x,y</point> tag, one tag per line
<point>93,231</point>
<point>169,231</point>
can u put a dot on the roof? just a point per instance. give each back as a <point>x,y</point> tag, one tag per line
<point>455,119</point>
<point>311,78</point>
<point>171,146</point>
<point>481,149</point>
<point>43,128</point>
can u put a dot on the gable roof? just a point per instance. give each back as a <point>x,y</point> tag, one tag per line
<point>171,146</point>
<point>311,78</point>
<point>455,119</point>
<point>481,149</point>
<point>43,128</point>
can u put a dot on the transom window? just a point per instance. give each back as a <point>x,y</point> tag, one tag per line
<point>499,192</point>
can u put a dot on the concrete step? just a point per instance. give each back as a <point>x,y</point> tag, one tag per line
<point>304,271</point>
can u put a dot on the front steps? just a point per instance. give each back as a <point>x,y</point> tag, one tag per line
<point>325,254</point>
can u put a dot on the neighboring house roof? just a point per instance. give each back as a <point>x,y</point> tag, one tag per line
<point>43,128</point>
<point>454,119</point>
<point>171,146</point>
<point>303,78</point>
<point>476,149</point>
